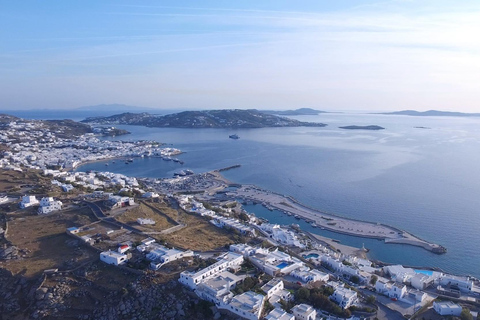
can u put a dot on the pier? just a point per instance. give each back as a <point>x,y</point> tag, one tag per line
<point>332,222</point>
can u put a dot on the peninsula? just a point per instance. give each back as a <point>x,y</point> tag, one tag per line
<point>204,119</point>
<point>431,113</point>
<point>371,127</point>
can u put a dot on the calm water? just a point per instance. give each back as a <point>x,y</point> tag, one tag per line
<point>425,181</point>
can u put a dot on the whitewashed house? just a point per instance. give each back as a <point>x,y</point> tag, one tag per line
<point>48,204</point>
<point>143,221</point>
<point>279,314</point>
<point>304,312</point>
<point>67,187</point>
<point>344,297</point>
<point>421,281</point>
<point>307,275</point>
<point>113,257</point>
<point>247,305</point>
<point>447,308</point>
<point>463,284</point>
<point>28,201</point>
<point>192,279</point>
<point>391,290</point>
<point>161,255</point>
<point>217,289</point>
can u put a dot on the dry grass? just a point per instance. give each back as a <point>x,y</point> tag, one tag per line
<point>130,217</point>
<point>44,240</point>
<point>199,234</point>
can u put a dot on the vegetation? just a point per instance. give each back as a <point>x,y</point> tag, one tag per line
<point>248,284</point>
<point>319,299</point>
<point>465,314</point>
<point>373,280</point>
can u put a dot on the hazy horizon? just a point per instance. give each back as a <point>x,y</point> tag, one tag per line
<point>334,56</point>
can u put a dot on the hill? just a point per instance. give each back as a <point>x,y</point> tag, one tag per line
<point>432,113</point>
<point>296,112</point>
<point>204,119</point>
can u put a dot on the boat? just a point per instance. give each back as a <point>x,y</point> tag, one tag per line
<point>180,174</point>
<point>176,160</point>
<point>297,216</point>
<point>314,225</point>
<point>234,136</point>
<point>188,172</point>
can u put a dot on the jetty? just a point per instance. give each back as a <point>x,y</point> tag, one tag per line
<point>332,222</point>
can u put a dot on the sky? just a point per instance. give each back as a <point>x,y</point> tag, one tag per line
<point>273,54</point>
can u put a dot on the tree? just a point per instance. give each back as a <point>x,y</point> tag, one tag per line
<point>466,315</point>
<point>373,280</point>
<point>355,279</point>
<point>371,299</point>
<point>302,294</point>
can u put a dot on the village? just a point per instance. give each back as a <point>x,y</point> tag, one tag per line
<point>194,231</point>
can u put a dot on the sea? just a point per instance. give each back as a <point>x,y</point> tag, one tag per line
<point>419,174</point>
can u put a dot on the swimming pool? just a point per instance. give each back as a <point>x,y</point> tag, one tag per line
<point>282,265</point>
<point>427,272</point>
<point>311,255</point>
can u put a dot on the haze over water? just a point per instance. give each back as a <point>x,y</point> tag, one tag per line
<point>425,181</point>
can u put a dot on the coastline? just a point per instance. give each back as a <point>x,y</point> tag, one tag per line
<point>331,222</point>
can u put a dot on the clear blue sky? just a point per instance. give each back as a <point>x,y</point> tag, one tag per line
<point>330,55</point>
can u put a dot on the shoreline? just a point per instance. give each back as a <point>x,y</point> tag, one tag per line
<point>331,222</point>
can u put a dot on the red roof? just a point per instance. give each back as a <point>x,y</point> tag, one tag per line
<point>124,246</point>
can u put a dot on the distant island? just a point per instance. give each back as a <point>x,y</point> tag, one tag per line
<point>296,112</point>
<point>431,113</point>
<point>370,127</point>
<point>204,119</point>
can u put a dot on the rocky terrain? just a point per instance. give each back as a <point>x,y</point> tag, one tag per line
<point>204,119</point>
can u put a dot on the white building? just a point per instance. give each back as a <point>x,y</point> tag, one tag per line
<point>463,284</point>
<point>304,312</point>
<point>421,281</point>
<point>48,205</point>
<point>344,297</point>
<point>150,195</point>
<point>143,221</point>
<point>247,305</point>
<point>275,292</point>
<point>113,257</point>
<point>217,289</point>
<point>273,286</point>
<point>161,255</point>
<point>307,275</point>
<point>275,263</point>
<point>447,308</point>
<point>279,314</point>
<point>67,187</point>
<point>119,202</point>
<point>28,201</point>
<point>192,279</point>
<point>400,274</point>
<point>391,290</point>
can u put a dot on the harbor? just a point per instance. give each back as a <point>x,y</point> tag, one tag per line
<point>331,222</point>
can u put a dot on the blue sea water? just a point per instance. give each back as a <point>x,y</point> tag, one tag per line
<point>425,181</point>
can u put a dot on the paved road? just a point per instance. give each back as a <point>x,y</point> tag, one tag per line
<point>96,210</point>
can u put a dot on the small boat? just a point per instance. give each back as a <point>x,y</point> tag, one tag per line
<point>188,172</point>
<point>314,225</point>
<point>176,160</point>
<point>234,136</point>
<point>297,216</point>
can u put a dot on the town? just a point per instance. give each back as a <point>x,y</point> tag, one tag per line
<point>188,240</point>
